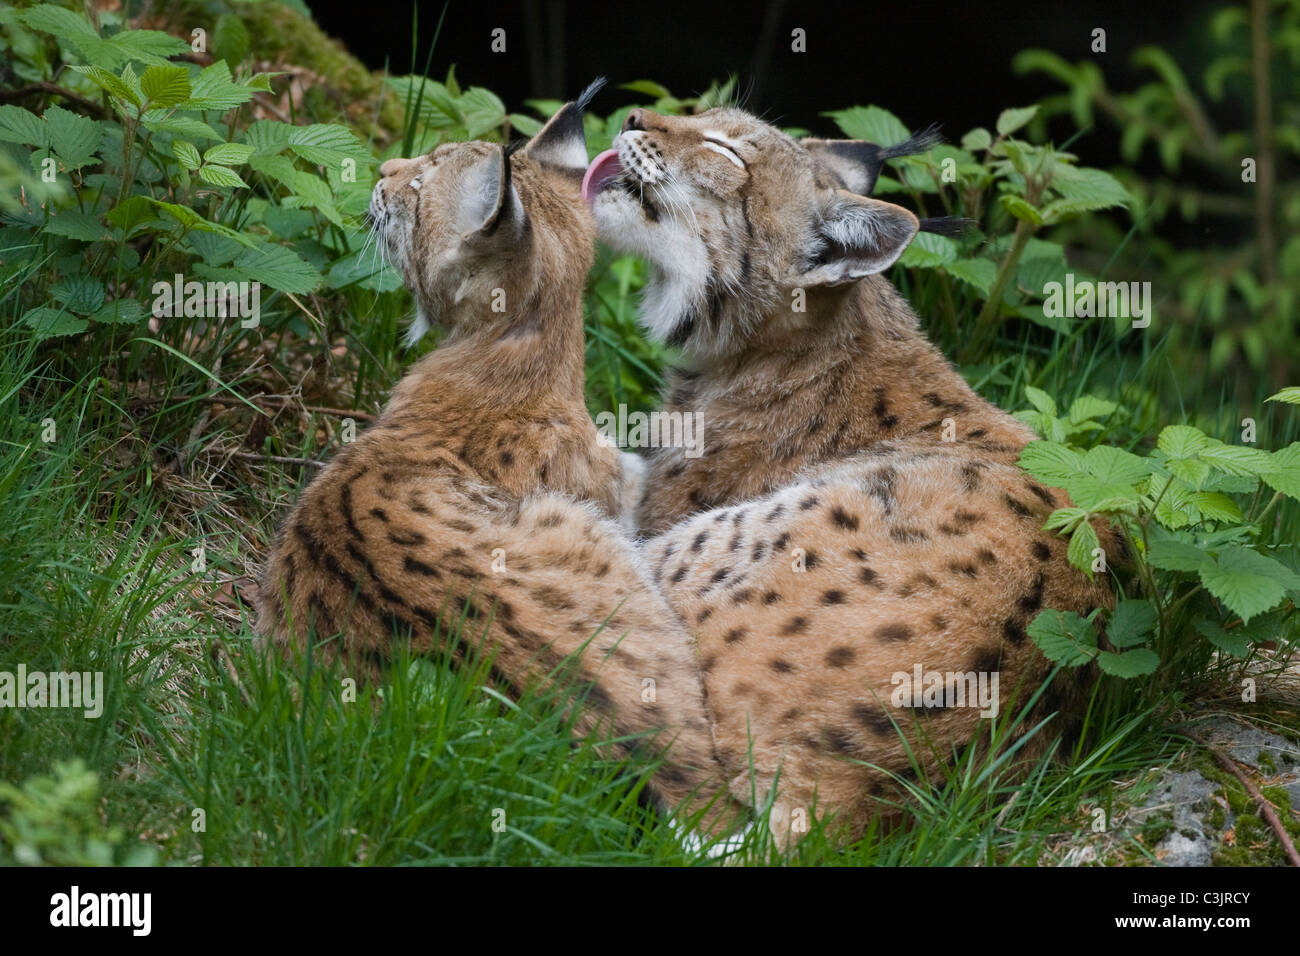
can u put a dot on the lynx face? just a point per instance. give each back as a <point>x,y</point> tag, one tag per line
<point>734,215</point>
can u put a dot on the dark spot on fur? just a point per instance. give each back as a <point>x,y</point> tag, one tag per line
<point>1013,631</point>
<point>893,632</point>
<point>833,597</point>
<point>842,519</point>
<point>781,667</point>
<point>796,625</point>
<point>1041,551</point>
<point>771,597</point>
<point>840,656</point>
<point>869,576</point>
<point>735,635</point>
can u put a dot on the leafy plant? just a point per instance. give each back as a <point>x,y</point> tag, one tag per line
<point>1195,519</point>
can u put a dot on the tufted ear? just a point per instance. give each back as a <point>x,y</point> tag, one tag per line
<point>856,163</point>
<point>857,237</point>
<point>562,142</point>
<point>489,204</point>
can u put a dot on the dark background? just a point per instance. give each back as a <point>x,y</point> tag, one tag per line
<point>947,62</point>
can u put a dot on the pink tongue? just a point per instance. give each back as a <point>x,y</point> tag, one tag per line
<point>602,169</point>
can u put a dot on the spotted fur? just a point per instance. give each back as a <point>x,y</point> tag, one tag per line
<point>486,444</point>
<point>856,509</point>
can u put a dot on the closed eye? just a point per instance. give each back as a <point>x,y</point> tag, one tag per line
<point>722,149</point>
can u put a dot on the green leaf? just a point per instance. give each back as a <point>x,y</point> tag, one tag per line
<point>228,154</point>
<point>1182,441</point>
<point>180,126</point>
<point>272,265</point>
<point>119,312</point>
<point>24,127</point>
<point>1051,463</point>
<point>1236,459</point>
<point>327,144</point>
<point>1114,465</point>
<point>1284,470</point>
<point>148,46</point>
<point>1189,470</point>
<point>526,125</point>
<point>165,86</point>
<point>1247,582</point>
<point>928,250</point>
<point>979,273</point>
<point>1011,120</point>
<point>1064,637</point>
<point>1170,554</point>
<point>214,89</point>
<point>1085,190</point>
<point>1082,543</point>
<point>220,176</point>
<point>1290,395</point>
<point>187,154</point>
<point>1136,663</point>
<point>978,138</point>
<point>1230,642</point>
<point>1131,622</point>
<point>230,40</point>
<point>111,84</point>
<point>1216,506</point>
<point>1089,406</point>
<point>130,213</point>
<point>59,21</point>
<point>1040,400</point>
<point>1021,209</point>
<point>192,220</point>
<point>870,123</point>
<point>75,138</point>
<point>77,225</point>
<point>648,87</point>
<point>82,294</point>
<point>50,323</point>
<point>1063,519</point>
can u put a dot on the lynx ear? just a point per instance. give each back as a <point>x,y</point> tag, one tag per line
<point>857,237</point>
<point>562,142</point>
<point>490,204</point>
<point>856,163</point>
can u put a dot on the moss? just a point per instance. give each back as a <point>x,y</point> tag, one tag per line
<point>1265,762</point>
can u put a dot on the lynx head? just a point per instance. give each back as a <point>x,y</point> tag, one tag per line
<point>475,225</point>
<point>734,215</point>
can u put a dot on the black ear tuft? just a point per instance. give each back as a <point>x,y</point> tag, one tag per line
<point>586,96</point>
<point>947,225</point>
<point>927,139</point>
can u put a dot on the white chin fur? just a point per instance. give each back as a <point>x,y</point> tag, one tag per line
<point>680,275</point>
<point>417,329</point>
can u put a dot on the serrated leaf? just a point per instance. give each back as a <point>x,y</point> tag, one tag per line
<point>1230,642</point>
<point>278,267</point>
<point>525,125</point>
<point>187,154</point>
<point>74,138</point>
<point>1082,543</point>
<point>1284,470</point>
<point>1290,395</point>
<point>1216,506</point>
<point>24,127</point>
<point>1063,519</point>
<point>327,144</point>
<point>1131,622</point>
<point>1235,459</point>
<point>50,323</point>
<point>1170,554</point>
<point>978,138</point>
<point>1135,663</point>
<point>871,123</point>
<point>1084,189</point>
<point>267,137</point>
<point>165,86</point>
<point>180,126</point>
<point>927,251</point>
<point>1011,120</point>
<point>213,89</point>
<point>59,21</point>
<point>192,220</point>
<point>1114,465</point>
<point>228,154</point>
<point>111,84</point>
<point>130,213</point>
<point>979,273</point>
<point>76,225</point>
<point>1040,400</point>
<point>1021,209</point>
<point>1089,406</point>
<point>1247,582</point>
<point>1051,463</point>
<point>82,294</point>
<point>1189,470</point>
<point>1182,441</point>
<point>230,41</point>
<point>1064,637</point>
<point>119,312</point>
<point>220,176</point>
<point>148,46</point>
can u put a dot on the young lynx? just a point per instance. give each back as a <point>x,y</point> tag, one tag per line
<point>838,438</point>
<point>482,489</point>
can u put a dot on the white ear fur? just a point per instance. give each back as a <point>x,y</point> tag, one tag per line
<point>562,141</point>
<point>858,237</point>
<point>489,201</point>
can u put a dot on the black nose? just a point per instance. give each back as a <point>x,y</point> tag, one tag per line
<point>635,120</point>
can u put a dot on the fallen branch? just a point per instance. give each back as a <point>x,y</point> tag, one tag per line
<point>1265,808</point>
